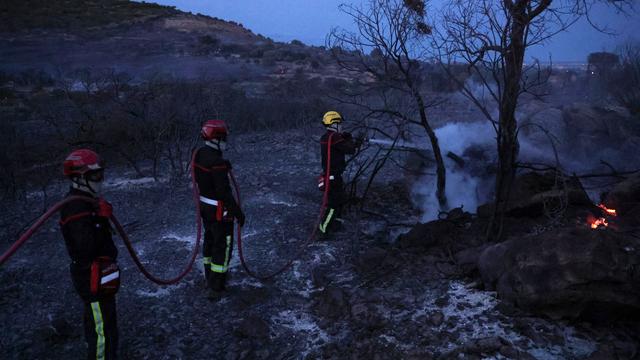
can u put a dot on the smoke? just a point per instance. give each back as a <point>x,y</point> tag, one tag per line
<point>466,186</point>
<point>472,184</point>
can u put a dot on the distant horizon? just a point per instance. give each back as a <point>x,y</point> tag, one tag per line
<point>310,21</point>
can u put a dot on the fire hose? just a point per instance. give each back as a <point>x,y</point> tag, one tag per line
<point>196,196</point>
<point>323,207</point>
<point>120,229</point>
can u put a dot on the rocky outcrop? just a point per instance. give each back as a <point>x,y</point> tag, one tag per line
<point>571,273</point>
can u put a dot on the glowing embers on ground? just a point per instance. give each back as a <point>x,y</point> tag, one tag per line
<point>601,222</point>
<point>611,212</point>
<point>598,222</point>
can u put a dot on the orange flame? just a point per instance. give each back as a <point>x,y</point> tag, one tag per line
<point>611,212</point>
<point>595,223</point>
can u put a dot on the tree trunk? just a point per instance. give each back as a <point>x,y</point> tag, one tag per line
<point>441,173</point>
<point>440,169</point>
<point>508,146</point>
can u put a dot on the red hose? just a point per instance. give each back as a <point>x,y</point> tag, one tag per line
<point>194,253</point>
<point>323,208</point>
<point>41,220</point>
<point>55,208</point>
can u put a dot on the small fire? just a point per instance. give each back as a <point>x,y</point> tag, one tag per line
<point>611,212</point>
<point>596,223</point>
<point>601,222</point>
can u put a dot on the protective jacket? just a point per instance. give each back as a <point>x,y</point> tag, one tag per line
<point>87,237</point>
<point>211,171</point>
<point>342,144</point>
<point>217,209</point>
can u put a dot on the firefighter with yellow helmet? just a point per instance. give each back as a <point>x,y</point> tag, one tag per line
<point>342,144</point>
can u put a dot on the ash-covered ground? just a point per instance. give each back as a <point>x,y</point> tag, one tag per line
<point>355,296</point>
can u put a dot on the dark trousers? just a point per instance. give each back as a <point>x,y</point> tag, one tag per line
<point>335,202</point>
<point>101,328</point>
<point>216,252</point>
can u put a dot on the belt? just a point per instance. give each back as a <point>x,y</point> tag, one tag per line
<point>208,201</point>
<point>213,202</point>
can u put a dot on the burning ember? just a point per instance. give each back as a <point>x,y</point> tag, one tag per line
<point>601,222</point>
<point>611,212</point>
<point>595,223</point>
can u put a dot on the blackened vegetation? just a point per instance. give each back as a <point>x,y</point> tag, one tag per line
<point>492,38</point>
<point>391,91</point>
<point>16,15</point>
<point>149,125</point>
<point>554,263</point>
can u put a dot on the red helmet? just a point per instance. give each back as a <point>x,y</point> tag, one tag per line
<point>214,129</point>
<point>80,162</point>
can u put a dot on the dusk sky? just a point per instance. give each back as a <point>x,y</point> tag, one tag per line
<point>310,21</point>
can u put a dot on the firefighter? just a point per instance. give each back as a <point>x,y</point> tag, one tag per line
<point>218,207</point>
<point>87,234</point>
<point>342,144</point>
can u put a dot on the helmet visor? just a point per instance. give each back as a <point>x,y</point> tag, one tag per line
<point>95,175</point>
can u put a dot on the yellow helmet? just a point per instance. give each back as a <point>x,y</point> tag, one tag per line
<point>331,117</point>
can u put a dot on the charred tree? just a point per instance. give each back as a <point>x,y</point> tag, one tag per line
<point>389,71</point>
<point>491,38</point>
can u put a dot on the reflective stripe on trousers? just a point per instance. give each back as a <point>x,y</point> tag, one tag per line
<point>327,220</point>
<point>97,319</point>
<point>224,267</point>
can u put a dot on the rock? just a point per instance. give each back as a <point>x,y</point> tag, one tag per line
<point>624,196</point>
<point>566,273</point>
<point>424,236</point>
<point>319,276</point>
<point>332,303</point>
<point>366,316</point>
<point>585,118</point>
<point>486,345</point>
<point>442,301</point>
<point>371,259</point>
<point>418,355</point>
<point>253,327</point>
<point>509,352</point>
<point>467,259</point>
<point>534,192</point>
<point>437,318</point>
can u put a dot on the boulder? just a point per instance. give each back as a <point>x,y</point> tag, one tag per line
<point>576,272</point>
<point>532,193</point>
<point>585,118</point>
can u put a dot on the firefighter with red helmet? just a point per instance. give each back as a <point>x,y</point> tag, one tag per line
<point>87,234</point>
<point>218,207</point>
<point>342,144</point>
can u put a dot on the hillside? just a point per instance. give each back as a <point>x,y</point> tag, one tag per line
<point>141,39</point>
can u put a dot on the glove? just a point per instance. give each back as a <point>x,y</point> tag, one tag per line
<point>240,217</point>
<point>104,208</point>
<point>347,135</point>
